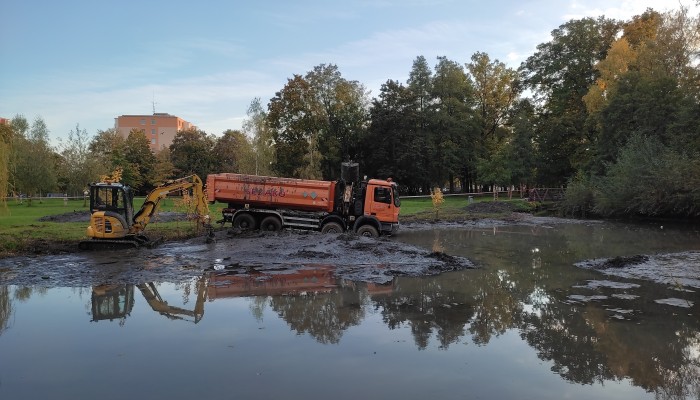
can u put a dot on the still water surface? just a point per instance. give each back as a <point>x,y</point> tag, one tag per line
<point>527,324</point>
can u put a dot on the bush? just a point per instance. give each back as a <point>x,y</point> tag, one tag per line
<point>649,179</point>
<point>578,198</point>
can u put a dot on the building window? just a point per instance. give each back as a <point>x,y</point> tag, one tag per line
<point>143,121</point>
<point>153,141</point>
<point>153,131</point>
<point>153,122</point>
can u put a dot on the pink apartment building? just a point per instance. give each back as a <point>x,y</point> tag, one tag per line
<point>160,128</point>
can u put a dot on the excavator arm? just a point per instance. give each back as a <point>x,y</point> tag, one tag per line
<point>150,206</point>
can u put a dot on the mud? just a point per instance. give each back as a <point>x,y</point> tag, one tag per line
<point>680,271</point>
<point>351,256</point>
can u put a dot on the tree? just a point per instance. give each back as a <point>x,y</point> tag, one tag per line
<point>452,127</point>
<point>495,89</point>
<point>256,127</point>
<point>392,144</point>
<point>645,92</point>
<point>78,167</point>
<point>420,80</point>
<point>293,117</point>
<point>342,116</point>
<point>520,151</point>
<point>163,169</point>
<point>191,153</point>
<point>233,153</point>
<point>34,162</point>
<point>560,73</point>
<point>137,161</point>
<point>6,139</point>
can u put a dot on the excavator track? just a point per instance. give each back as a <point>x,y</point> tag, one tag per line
<point>130,242</point>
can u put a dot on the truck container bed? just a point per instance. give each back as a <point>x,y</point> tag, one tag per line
<point>271,192</point>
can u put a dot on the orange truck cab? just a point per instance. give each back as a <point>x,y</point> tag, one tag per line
<point>382,203</point>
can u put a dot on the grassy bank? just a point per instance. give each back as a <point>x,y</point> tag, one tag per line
<point>22,230</point>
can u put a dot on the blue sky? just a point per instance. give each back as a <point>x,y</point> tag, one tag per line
<point>86,62</point>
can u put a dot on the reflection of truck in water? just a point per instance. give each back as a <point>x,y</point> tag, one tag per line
<point>286,282</point>
<point>116,301</point>
<point>317,279</point>
<point>368,207</point>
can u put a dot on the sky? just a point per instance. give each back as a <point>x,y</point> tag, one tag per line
<point>79,64</point>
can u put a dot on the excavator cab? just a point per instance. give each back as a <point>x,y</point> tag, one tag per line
<point>112,214</point>
<point>112,197</point>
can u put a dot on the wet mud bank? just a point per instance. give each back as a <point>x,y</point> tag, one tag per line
<point>671,279</point>
<point>350,256</point>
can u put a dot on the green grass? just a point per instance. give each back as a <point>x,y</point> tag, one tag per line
<point>421,206</point>
<point>21,231</point>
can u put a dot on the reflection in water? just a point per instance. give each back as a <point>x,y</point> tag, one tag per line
<point>527,285</point>
<point>110,302</point>
<point>310,299</point>
<point>626,335</point>
<point>581,341</point>
<point>5,308</point>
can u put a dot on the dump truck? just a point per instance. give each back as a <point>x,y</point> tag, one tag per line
<point>369,207</point>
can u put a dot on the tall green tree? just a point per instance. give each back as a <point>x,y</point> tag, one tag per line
<point>342,105</point>
<point>520,148</point>
<point>34,161</point>
<point>256,126</point>
<point>163,169</point>
<point>233,152</point>
<point>560,73</point>
<point>137,161</point>
<point>452,125</point>
<point>294,119</point>
<point>391,145</point>
<point>191,153</point>
<point>495,90</point>
<point>102,147</point>
<point>78,167</point>
<point>6,139</point>
<point>420,83</point>
<point>647,92</point>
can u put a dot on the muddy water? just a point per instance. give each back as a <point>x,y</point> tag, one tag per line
<point>530,323</point>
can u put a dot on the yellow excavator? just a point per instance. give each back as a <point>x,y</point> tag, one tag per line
<point>113,223</point>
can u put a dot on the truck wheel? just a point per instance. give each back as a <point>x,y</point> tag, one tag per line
<point>368,231</point>
<point>332,227</point>
<point>244,221</point>
<point>271,224</point>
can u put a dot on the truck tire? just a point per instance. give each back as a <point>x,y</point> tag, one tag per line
<point>244,222</point>
<point>271,224</point>
<point>368,231</point>
<point>332,227</point>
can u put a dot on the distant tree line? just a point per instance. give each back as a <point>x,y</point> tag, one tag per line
<point>608,109</point>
